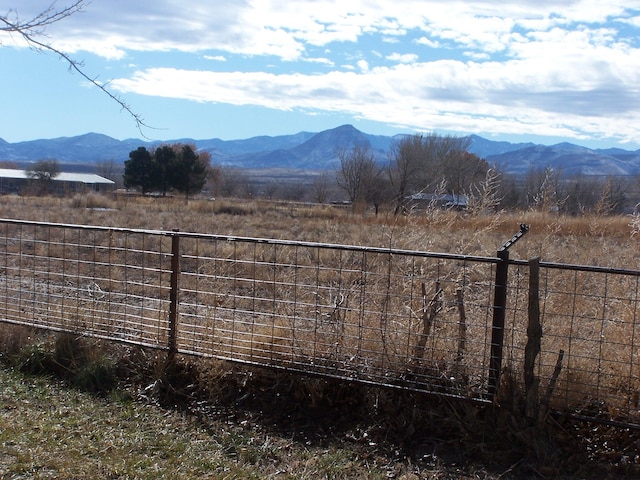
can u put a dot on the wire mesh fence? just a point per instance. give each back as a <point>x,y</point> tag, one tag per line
<point>389,317</point>
<point>413,320</point>
<point>589,362</point>
<point>103,282</point>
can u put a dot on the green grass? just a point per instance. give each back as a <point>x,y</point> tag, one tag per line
<point>250,426</point>
<point>48,430</point>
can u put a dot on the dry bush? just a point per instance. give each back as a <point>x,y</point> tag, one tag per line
<point>91,200</point>
<point>634,224</point>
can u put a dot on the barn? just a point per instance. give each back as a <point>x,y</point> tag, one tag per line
<point>17,181</point>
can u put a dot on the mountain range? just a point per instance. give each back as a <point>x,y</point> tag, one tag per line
<point>317,151</point>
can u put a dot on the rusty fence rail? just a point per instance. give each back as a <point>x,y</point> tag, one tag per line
<point>414,320</point>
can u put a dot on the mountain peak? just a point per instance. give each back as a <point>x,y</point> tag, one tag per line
<point>347,127</point>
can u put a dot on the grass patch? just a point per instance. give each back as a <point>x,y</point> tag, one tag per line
<point>61,433</point>
<point>85,363</point>
<point>50,431</point>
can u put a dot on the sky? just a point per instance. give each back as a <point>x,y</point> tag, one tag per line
<point>545,71</point>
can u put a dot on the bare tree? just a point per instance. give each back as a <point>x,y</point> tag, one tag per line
<point>33,32</point>
<point>358,174</point>
<point>423,162</point>
<point>42,173</point>
<point>111,169</point>
<point>463,171</point>
<point>405,167</point>
<point>228,181</point>
<point>320,188</point>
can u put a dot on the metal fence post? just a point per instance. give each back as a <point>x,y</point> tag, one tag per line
<point>499,313</point>
<point>497,327</point>
<point>173,294</point>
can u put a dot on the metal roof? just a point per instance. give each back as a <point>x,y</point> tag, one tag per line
<point>88,178</point>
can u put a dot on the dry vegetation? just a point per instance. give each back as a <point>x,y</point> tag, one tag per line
<point>610,241</point>
<point>394,434</point>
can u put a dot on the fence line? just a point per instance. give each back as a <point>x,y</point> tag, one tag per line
<point>414,320</point>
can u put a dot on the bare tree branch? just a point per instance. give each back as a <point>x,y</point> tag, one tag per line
<point>33,29</point>
<point>36,25</point>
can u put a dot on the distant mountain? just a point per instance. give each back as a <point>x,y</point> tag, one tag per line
<point>484,148</point>
<point>569,159</point>
<point>318,151</point>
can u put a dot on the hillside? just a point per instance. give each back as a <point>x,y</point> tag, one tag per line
<point>317,151</point>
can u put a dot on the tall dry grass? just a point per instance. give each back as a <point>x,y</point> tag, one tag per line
<point>574,306</point>
<point>591,239</point>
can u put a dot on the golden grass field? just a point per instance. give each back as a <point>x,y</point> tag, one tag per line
<point>601,353</point>
<point>590,317</point>
<point>610,241</point>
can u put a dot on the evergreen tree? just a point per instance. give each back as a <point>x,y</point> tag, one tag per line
<point>165,158</point>
<point>189,172</point>
<point>139,171</point>
<point>169,167</point>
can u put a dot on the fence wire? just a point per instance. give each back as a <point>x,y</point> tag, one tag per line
<point>105,283</point>
<point>406,319</point>
<point>383,316</point>
<point>589,363</point>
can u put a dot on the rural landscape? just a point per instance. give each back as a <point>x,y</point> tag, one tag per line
<point>271,292</point>
<point>283,396</point>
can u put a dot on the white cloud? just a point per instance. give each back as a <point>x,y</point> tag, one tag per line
<point>559,68</point>
<point>286,29</point>
<point>363,65</point>
<point>320,60</point>
<point>403,58</point>
<point>508,97</point>
<point>428,42</point>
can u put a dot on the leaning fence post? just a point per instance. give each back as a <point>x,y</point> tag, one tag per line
<point>499,313</point>
<point>173,294</point>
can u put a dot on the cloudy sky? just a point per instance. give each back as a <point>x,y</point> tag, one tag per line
<point>533,70</point>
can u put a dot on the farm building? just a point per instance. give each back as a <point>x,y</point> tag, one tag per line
<point>17,181</point>
<point>441,200</point>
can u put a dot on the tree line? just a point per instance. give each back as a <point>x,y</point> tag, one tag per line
<point>433,166</point>
<point>417,164</point>
<point>417,167</point>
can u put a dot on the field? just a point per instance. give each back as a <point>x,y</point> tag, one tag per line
<point>596,240</point>
<point>589,240</point>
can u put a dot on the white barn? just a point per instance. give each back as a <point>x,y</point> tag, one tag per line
<point>15,181</point>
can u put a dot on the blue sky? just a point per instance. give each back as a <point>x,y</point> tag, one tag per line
<point>542,71</point>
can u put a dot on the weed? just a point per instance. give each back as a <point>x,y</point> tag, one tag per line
<point>35,358</point>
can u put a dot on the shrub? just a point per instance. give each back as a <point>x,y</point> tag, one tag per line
<point>90,200</point>
<point>98,375</point>
<point>34,359</point>
<point>85,363</point>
